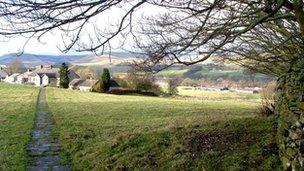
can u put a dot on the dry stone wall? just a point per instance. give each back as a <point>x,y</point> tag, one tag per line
<point>290,112</point>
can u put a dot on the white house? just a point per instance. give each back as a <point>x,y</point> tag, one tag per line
<point>50,79</point>
<point>35,79</point>
<point>12,78</point>
<point>24,78</point>
<point>82,84</point>
<point>45,80</point>
<point>48,75</point>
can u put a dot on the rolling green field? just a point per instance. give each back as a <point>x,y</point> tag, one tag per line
<point>17,111</point>
<point>111,132</point>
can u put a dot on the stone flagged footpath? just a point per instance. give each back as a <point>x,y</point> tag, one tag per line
<point>43,148</point>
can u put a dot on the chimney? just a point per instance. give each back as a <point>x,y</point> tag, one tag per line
<point>52,66</point>
<point>29,70</point>
<point>40,66</point>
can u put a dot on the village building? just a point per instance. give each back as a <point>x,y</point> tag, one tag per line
<point>47,75</point>
<point>3,74</point>
<point>82,84</point>
<point>88,84</point>
<point>34,79</point>
<point>42,75</point>
<point>12,78</point>
<point>24,78</point>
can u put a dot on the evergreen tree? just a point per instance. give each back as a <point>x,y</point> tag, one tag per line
<point>105,79</point>
<point>64,78</point>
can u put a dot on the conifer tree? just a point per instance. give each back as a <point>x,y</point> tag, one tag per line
<point>105,79</point>
<point>64,78</point>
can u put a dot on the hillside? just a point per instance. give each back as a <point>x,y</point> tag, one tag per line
<point>119,62</point>
<point>30,60</point>
<point>103,60</point>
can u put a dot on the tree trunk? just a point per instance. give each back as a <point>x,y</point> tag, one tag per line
<point>290,112</point>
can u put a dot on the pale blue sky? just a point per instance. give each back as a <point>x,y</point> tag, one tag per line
<point>50,42</point>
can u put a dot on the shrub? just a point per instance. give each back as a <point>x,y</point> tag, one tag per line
<point>122,91</point>
<point>98,87</point>
<point>172,86</point>
<point>142,82</point>
<point>128,92</point>
<point>267,103</point>
<point>122,83</point>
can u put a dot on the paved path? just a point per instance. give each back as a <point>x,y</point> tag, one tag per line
<point>43,149</point>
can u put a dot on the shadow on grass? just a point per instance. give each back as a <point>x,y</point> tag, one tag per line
<point>241,144</point>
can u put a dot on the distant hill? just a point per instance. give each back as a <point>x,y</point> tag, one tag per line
<point>30,60</point>
<point>103,60</point>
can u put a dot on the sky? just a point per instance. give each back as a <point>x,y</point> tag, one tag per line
<point>17,44</point>
<point>51,42</point>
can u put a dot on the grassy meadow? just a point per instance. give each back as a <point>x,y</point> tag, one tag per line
<point>221,131</point>
<point>17,112</point>
<point>111,132</point>
<point>215,96</point>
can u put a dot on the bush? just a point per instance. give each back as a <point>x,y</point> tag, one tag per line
<point>122,91</point>
<point>98,87</point>
<point>129,92</point>
<point>172,86</point>
<point>267,103</point>
<point>122,83</point>
<point>142,82</point>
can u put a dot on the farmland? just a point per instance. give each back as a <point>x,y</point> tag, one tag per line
<point>101,131</point>
<point>17,111</point>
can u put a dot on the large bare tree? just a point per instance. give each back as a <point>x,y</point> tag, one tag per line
<point>264,35</point>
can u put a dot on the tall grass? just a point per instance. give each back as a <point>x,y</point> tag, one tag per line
<point>267,102</point>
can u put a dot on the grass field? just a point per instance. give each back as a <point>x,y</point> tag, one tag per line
<point>17,111</point>
<point>105,132</point>
<point>214,95</point>
<point>172,73</point>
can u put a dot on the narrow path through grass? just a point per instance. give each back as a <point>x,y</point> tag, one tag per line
<point>43,148</point>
